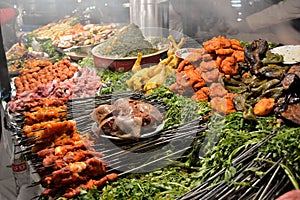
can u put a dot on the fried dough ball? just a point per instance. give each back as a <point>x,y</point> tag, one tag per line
<point>264,106</point>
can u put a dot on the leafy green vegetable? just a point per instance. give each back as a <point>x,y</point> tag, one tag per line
<point>115,81</point>
<point>87,62</point>
<point>180,109</point>
<point>28,38</point>
<point>270,44</point>
<point>47,47</point>
<point>286,145</point>
<point>166,183</point>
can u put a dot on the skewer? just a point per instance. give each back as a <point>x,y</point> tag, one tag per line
<point>275,191</point>
<point>144,145</point>
<point>257,182</point>
<point>149,163</point>
<point>247,154</point>
<point>270,180</point>
<point>24,140</point>
<point>26,150</point>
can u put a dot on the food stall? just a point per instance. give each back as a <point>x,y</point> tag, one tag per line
<point>150,99</point>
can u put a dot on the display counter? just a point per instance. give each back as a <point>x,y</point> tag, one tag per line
<point>120,111</point>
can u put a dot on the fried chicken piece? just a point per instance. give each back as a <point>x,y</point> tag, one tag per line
<point>264,106</point>
<point>224,51</point>
<point>216,43</point>
<point>239,56</point>
<point>202,94</point>
<point>211,45</point>
<point>182,64</point>
<point>229,66</point>
<point>217,90</point>
<point>200,84</point>
<point>223,105</point>
<point>193,76</point>
<point>219,60</point>
<point>236,45</point>
<point>189,67</point>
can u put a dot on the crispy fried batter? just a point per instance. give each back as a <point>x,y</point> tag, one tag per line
<point>229,66</point>
<point>208,66</point>
<point>182,64</point>
<point>264,106</point>
<point>239,56</point>
<point>200,84</point>
<point>193,76</point>
<point>223,105</point>
<point>224,51</point>
<point>217,90</point>
<point>202,94</point>
<point>211,76</point>
<point>235,44</point>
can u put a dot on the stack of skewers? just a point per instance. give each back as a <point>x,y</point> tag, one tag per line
<point>69,157</point>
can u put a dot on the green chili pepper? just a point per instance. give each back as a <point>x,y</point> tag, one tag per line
<point>272,58</point>
<point>273,71</point>
<point>262,88</point>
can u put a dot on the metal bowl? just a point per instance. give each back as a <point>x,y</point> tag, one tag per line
<point>126,63</point>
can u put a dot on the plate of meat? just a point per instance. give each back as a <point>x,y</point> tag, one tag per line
<point>127,119</point>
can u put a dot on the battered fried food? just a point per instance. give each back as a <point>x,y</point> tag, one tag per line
<point>228,53</point>
<point>208,66</point>
<point>202,94</point>
<point>217,90</point>
<point>211,76</point>
<point>229,66</point>
<point>223,105</point>
<point>264,106</point>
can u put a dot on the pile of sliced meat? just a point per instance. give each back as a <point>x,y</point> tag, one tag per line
<point>86,84</point>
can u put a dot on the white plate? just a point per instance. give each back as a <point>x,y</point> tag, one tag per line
<point>143,136</point>
<point>290,53</point>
